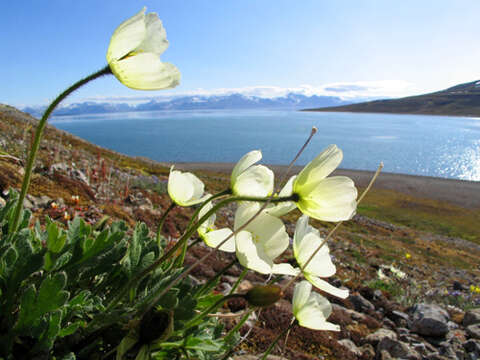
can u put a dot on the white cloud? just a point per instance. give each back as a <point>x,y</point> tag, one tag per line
<point>344,90</point>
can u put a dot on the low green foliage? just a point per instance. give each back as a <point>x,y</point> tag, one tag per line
<point>57,291</point>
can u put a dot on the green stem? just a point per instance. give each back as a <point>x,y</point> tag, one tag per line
<point>36,142</point>
<point>179,261</point>
<point>162,221</point>
<point>197,211</point>
<point>239,280</point>
<point>211,283</point>
<point>238,326</point>
<point>185,238</point>
<point>270,348</point>
<point>213,307</point>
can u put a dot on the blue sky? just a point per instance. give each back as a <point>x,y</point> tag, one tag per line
<point>380,47</point>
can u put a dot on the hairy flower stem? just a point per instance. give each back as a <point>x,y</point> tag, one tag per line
<point>239,280</point>
<point>270,348</point>
<point>181,258</point>
<point>208,310</point>
<point>162,221</point>
<point>182,241</point>
<point>367,189</point>
<point>38,135</point>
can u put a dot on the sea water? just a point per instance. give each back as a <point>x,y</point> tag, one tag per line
<point>437,146</point>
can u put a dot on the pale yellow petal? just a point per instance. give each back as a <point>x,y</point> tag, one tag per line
<point>300,296</point>
<point>320,167</point>
<point>249,255</point>
<point>215,237</point>
<point>155,40</point>
<point>145,71</point>
<point>325,286</point>
<point>285,269</point>
<point>244,163</point>
<point>127,37</point>
<point>256,181</point>
<point>332,199</point>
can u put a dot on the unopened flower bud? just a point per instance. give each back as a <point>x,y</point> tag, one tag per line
<point>263,295</point>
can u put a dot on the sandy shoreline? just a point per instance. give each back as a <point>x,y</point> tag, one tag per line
<point>459,192</point>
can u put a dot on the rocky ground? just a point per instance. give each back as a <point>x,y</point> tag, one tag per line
<point>415,285</point>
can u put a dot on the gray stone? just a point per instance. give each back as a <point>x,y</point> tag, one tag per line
<point>429,320</point>
<point>474,331</point>
<point>385,355</point>
<point>379,335</point>
<point>360,303</point>
<point>350,345</point>
<point>397,349</point>
<point>471,317</point>
<point>399,317</point>
<point>472,346</point>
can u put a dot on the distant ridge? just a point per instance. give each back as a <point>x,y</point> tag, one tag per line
<point>459,100</point>
<point>291,101</point>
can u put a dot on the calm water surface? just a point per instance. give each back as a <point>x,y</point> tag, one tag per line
<point>409,144</point>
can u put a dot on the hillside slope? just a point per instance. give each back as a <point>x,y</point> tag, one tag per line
<point>459,100</point>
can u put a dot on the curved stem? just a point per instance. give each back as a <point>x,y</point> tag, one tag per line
<point>239,280</point>
<point>210,309</point>
<point>162,220</point>
<point>270,348</point>
<point>36,142</point>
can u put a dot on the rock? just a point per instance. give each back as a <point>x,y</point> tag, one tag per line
<point>368,352</point>
<point>399,318</point>
<point>397,349</point>
<point>354,315</point>
<point>471,317</point>
<point>80,176</point>
<point>384,355</point>
<point>388,323</point>
<point>379,335</point>
<point>360,303</point>
<point>27,204</point>
<point>474,331</point>
<point>350,345</point>
<point>458,286</point>
<point>472,346</point>
<point>429,320</point>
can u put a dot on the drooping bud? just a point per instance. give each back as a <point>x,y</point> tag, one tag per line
<point>263,295</point>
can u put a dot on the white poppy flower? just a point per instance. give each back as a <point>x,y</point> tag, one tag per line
<point>261,241</point>
<point>212,236</point>
<point>311,309</point>
<point>185,189</point>
<point>251,180</point>
<point>305,241</point>
<point>134,50</point>
<point>322,198</point>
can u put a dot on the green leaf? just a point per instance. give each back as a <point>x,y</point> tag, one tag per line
<point>48,337</point>
<point>51,295</point>
<point>70,329</point>
<point>202,344</point>
<point>56,238</point>
<point>126,344</point>
<point>169,300</point>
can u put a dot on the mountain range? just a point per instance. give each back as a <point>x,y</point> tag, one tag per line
<point>291,101</point>
<point>459,100</point>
